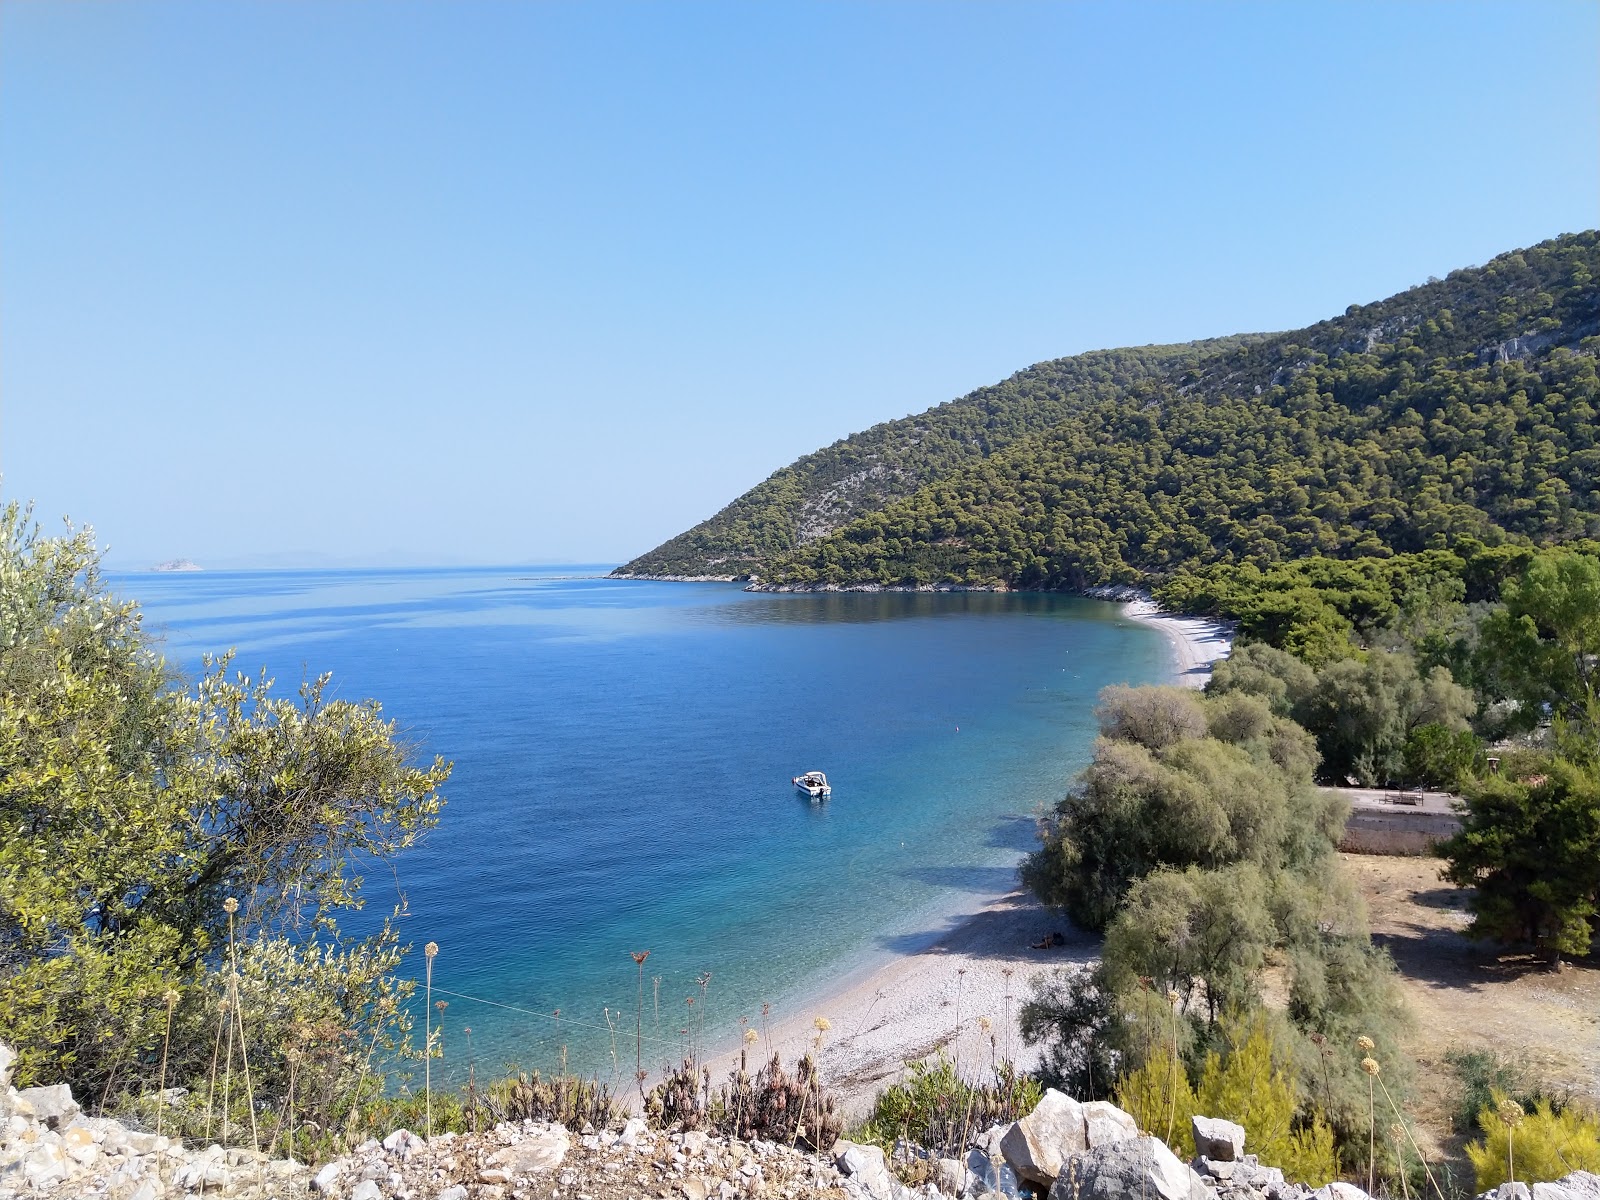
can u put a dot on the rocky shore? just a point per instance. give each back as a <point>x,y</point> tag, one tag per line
<point>1063,1150</point>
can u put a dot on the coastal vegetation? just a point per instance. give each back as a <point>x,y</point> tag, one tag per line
<point>1198,841</point>
<point>174,857</point>
<point>1548,1142</point>
<point>938,1108</point>
<point>1169,841</point>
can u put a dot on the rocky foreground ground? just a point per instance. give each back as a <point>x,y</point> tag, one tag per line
<point>1063,1150</point>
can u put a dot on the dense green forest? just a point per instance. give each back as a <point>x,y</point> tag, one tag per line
<point>814,496</point>
<point>1464,409</point>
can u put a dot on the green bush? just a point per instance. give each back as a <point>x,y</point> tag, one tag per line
<point>1181,781</point>
<point>1248,1080</point>
<point>1533,1147</point>
<point>936,1109</point>
<point>1481,1073</point>
<point>158,839</point>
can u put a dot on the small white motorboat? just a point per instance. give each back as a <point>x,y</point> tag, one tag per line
<point>813,784</point>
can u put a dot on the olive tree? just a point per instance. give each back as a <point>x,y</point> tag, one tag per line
<point>133,806</point>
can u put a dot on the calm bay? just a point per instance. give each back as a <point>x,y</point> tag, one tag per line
<point>623,753</point>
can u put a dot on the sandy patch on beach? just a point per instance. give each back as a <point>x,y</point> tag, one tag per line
<point>1197,642</point>
<point>928,999</point>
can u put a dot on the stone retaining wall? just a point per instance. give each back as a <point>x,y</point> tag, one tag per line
<point>1396,830</point>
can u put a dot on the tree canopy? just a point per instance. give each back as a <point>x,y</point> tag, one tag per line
<point>135,808</point>
<point>1462,410</point>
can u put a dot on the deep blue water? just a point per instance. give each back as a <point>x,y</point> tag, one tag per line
<point>622,757</point>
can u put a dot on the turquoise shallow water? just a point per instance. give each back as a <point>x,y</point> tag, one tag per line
<point>623,752</point>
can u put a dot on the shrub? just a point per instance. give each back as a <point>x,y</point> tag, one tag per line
<point>1481,1073</point>
<point>1078,1021</point>
<point>1154,717</point>
<point>1160,1099</point>
<point>565,1099</point>
<point>1250,1082</point>
<point>1543,1145</point>
<point>774,1106</point>
<point>150,831</point>
<point>1194,929</point>
<point>1242,794</point>
<point>936,1109</point>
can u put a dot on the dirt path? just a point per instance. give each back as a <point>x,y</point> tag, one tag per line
<point>1471,996</point>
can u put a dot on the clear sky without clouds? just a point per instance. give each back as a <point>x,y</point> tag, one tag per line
<point>337,283</point>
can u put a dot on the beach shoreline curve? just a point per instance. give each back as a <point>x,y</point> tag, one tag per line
<point>960,989</point>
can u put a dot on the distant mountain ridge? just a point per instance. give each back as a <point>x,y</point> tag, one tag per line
<point>1465,407</point>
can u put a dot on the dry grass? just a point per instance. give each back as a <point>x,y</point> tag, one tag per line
<point>1467,995</point>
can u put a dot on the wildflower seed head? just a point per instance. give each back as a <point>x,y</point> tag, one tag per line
<point>1370,1066</point>
<point>1397,1131</point>
<point>430,950</point>
<point>640,955</point>
<point>1510,1114</point>
<point>985,1024</point>
<point>1365,1043</point>
<point>751,1037</point>
<point>1172,996</point>
<point>171,997</point>
<point>230,906</point>
<point>823,1024</point>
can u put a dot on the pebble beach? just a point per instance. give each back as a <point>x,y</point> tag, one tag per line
<point>960,987</point>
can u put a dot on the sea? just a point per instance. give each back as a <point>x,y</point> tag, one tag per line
<point>623,753</point>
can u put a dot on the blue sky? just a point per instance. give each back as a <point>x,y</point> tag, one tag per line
<point>495,282</point>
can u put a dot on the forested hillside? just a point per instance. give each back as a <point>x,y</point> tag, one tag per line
<point>1462,408</point>
<point>811,498</point>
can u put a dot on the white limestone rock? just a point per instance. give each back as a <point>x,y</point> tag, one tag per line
<point>1216,1139</point>
<point>866,1166</point>
<point>51,1106</point>
<point>1105,1124</point>
<point>1339,1190</point>
<point>1036,1146</point>
<point>542,1149</point>
<point>1580,1185</point>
